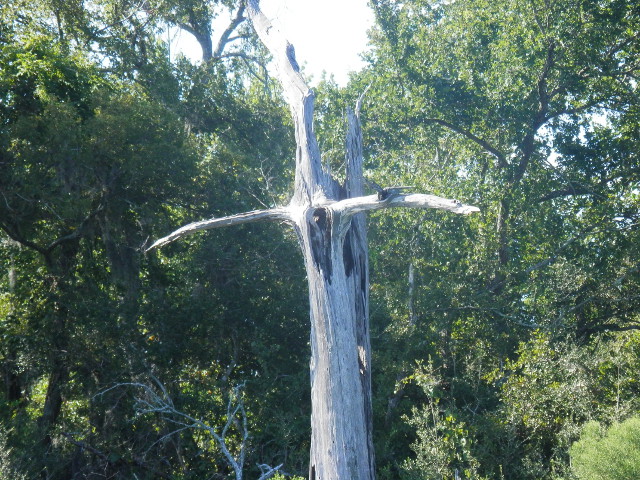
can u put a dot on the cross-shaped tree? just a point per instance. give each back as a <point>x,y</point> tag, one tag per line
<point>328,218</point>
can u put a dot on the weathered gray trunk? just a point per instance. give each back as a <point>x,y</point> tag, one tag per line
<point>334,247</point>
<point>336,255</point>
<point>340,358</point>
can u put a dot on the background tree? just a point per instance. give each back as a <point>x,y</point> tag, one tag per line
<point>327,218</point>
<point>81,308</point>
<point>494,98</point>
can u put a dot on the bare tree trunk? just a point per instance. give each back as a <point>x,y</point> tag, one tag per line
<point>337,271</point>
<point>58,377</point>
<point>341,420</point>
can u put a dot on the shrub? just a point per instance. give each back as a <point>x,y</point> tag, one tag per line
<point>608,454</point>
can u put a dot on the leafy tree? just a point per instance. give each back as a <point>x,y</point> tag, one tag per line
<point>72,149</point>
<point>500,94</point>
<point>547,393</point>
<point>100,132</point>
<point>443,443</point>
<point>491,100</point>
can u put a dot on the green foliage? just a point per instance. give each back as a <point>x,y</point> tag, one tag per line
<point>7,469</point>
<point>279,476</point>
<point>444,444</point>
<point>611,453</point>
<point>514,107</point>
<point>104,144</point>
<point>546,394</point>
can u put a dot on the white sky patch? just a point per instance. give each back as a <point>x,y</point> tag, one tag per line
<point>328,35</point>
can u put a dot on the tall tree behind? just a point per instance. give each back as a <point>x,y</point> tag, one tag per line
<point>531,106</point>
<point>526,108</point>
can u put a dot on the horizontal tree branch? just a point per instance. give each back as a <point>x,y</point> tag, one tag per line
<point>551,259</point>
<point>12,231</point>
<point>567,192</point>
<point>244,56</point>
<point>351,206</point>
<point>347,208</point>
<point>79,231</point>
<point>272,215</point>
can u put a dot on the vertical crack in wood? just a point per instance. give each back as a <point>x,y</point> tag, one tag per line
<point>347,255</point>
<point>320,228</point>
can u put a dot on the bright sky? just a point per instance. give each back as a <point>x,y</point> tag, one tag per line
<point>328,35</point>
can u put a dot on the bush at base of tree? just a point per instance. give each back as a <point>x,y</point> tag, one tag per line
<point>608,454</point>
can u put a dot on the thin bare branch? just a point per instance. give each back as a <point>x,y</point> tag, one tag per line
<point>272,215</point>
<point>156,400</point>
<point>361,99</point>
<point>268,472</point>
<point>565,192</point>
<point>106,458</point>
<point>551,259</point>
<point>79,231</point>
<point>502,161</point>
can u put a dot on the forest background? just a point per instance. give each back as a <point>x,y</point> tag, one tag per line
<point>505,345</point>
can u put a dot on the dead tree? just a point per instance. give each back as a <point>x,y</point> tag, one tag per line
<point>154,399</point>
<point>328,218</point>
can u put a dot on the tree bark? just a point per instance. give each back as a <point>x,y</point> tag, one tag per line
<point>341,446</point>
<point>336,256</point>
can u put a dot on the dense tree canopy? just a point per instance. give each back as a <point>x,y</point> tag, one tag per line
<point>495,338</point>
<point>507,103</point>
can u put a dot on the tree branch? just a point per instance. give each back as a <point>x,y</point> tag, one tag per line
<point>551,259</point>
<point>268,472</point>
<point>225,37</point>
<point>14,234</point>
<point>272,215</point>
<point>502,161</point>
<point>153,402</point>
<point>351,206</point>
<point>79,231</point>
<point>541,117</point>
<point>566,192</point>
<point>104,457</point>
<point>203,39</point>
<point>312,183</point>
<point>12,231</point>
